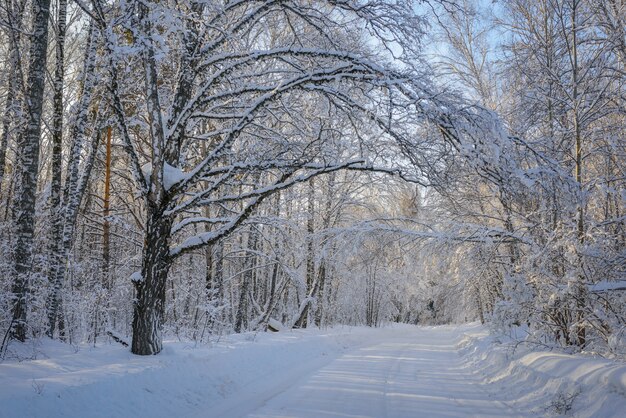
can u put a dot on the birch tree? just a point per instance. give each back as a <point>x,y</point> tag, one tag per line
<point>85,135</point>
<point>27,166</point>
<point>14,77</point>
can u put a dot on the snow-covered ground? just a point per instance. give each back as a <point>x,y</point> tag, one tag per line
<point>396,371</point>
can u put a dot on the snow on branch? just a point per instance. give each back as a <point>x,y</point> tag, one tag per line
<point>255,198</point>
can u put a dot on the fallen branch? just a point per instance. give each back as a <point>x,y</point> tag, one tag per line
<point>117,338</point>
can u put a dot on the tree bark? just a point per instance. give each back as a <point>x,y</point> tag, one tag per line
<point>13,72</point>
<point>149,305</point>
<point>28,166</point>
<point>54,313</point>
<point>6,120</point>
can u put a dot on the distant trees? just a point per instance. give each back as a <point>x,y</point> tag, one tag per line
<point>557,87</point>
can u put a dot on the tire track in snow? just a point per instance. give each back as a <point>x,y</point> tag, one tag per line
<point>416,373</point>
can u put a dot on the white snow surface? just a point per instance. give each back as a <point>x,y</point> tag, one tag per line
<point>395,371</point>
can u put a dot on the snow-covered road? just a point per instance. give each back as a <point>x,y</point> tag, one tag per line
<point>395,371</point>
<point>418,373</point>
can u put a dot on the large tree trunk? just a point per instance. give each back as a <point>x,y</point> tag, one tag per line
<point>28,165</point>
<point>149,306</point>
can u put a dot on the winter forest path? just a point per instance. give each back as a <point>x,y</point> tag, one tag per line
<point>411,373</point>
<point>395,371</point>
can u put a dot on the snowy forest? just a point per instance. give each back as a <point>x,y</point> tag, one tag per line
<point>186,169</point>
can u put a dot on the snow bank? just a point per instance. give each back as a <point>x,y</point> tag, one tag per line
<point>547,383</point>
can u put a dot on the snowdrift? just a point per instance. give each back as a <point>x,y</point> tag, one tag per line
<point>547,383</point>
